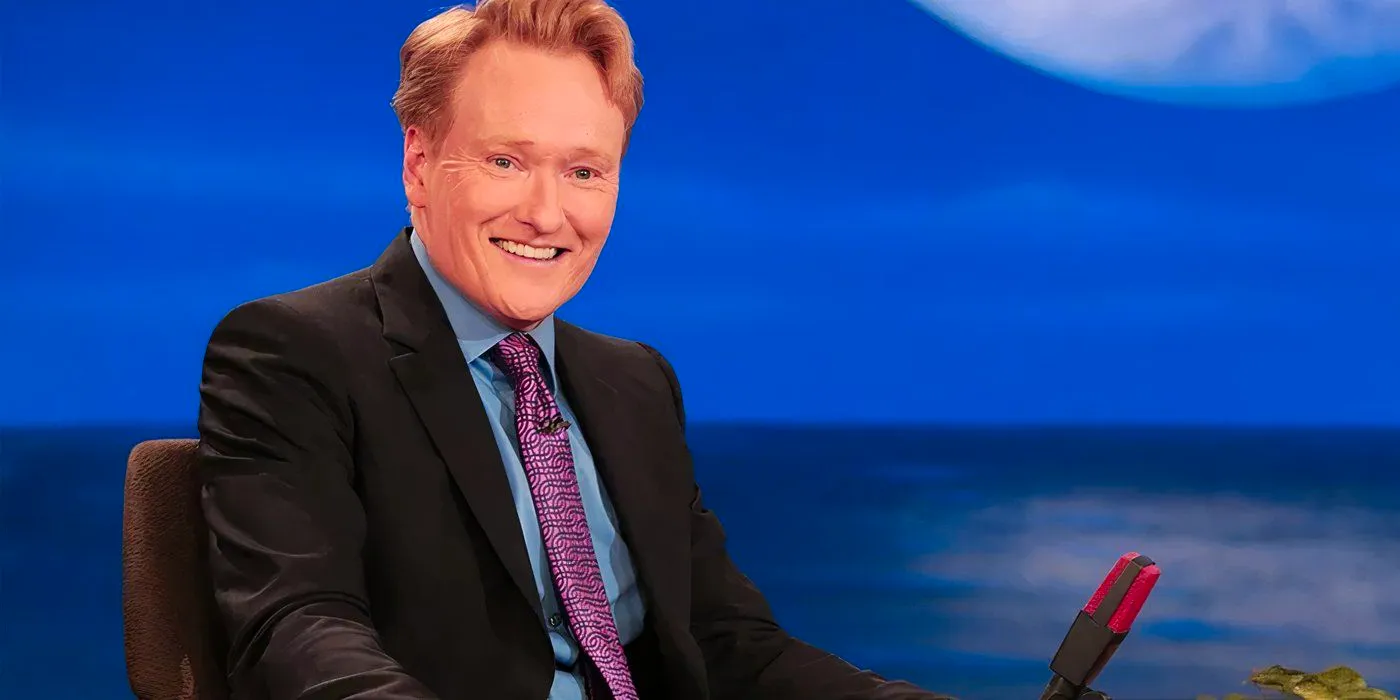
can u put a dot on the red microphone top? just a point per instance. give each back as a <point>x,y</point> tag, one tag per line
<point>1122,619</point>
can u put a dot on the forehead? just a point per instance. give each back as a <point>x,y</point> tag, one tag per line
<point>553,99</point>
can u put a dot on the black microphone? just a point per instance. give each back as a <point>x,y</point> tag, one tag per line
<point>550,426</point>
<point>1100,627</point>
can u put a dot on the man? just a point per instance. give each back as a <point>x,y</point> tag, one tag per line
<point>421,485</point>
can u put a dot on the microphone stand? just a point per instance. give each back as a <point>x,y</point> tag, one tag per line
<point>1083,654</point>
<point>1061,689</point>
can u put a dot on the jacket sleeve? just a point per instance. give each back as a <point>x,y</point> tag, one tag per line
<point>747,654</point>
<point>286,526</point>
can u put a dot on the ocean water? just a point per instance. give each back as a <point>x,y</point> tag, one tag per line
<point>952,557</point>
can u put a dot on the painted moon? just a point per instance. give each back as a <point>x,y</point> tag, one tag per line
<point>1202,52</point>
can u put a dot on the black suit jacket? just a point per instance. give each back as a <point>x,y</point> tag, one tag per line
<point>364,543</point>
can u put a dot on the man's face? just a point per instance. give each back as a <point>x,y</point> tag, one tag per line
<point>515,202</point>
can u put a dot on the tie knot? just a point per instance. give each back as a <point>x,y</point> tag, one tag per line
<point>518,356</point>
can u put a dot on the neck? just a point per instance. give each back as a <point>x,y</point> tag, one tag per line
<point>516,325</point>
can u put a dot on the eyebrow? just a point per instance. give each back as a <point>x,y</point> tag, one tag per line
<point>527,143</point>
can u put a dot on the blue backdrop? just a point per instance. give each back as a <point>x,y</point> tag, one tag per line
<point>932,231</point>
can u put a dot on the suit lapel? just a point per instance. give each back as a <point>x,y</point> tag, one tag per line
<point>613,411</point>
<point>434,375</point>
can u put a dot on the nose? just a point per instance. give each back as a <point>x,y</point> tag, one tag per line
<point>541,208</point>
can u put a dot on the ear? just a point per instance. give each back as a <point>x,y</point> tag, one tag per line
<point>415,167</point>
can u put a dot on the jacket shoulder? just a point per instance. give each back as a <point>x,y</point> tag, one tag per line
<point>625,357</point>
<point>613,348</point>
<point>324,300</point>
<point>332,307</point>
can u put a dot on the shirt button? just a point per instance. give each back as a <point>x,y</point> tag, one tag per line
<point>555,620</point>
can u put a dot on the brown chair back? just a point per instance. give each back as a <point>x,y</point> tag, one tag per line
<point>174,642</point>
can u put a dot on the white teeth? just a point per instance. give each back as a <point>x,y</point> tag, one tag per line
<point>526,251</point>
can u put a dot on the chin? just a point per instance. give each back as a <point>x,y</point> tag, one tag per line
<point>527,313</point>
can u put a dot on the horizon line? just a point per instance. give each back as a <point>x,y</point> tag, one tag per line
<point>187,429</point>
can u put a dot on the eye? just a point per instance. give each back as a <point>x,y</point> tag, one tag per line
<point>502,162</point>
<point>585,173</point>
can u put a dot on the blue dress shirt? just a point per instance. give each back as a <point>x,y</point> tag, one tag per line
<point>477,333</point>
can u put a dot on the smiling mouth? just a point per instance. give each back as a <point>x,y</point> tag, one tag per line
<point>528,252</point>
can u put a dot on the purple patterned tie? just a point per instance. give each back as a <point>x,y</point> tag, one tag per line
<point>549,467</point>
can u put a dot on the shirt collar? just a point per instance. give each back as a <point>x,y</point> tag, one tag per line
<point>476,331</point>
